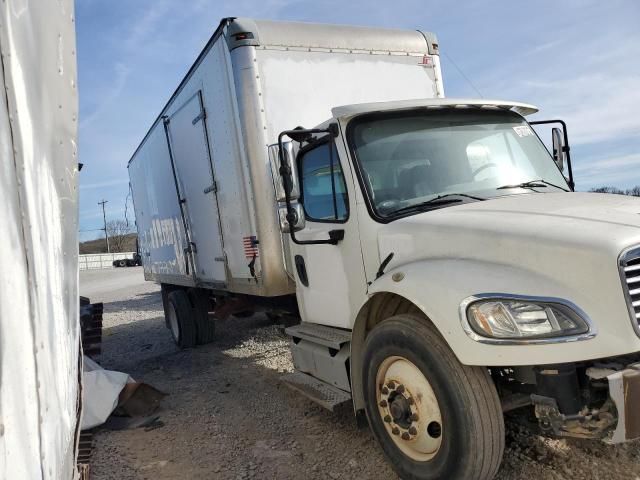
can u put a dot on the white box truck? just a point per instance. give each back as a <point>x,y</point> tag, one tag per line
<point>442,267</point>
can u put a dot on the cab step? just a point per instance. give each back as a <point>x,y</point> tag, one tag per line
<point>320,392</point>
<point>320,334</point>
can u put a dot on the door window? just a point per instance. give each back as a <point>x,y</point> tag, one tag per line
<point>324,192</point>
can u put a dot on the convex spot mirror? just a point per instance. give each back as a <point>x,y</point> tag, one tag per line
<point>290,182</point>
<point>557,138</point>
<point>298,218</point>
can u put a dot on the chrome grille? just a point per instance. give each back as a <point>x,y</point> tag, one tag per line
<point>630,273</point>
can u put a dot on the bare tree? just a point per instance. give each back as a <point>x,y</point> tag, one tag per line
<point>635,191</point>
<point>119,232</point>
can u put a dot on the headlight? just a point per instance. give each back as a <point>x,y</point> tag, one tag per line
<point>523,319</point>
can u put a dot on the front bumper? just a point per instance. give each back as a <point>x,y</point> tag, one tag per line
<point>624,392</point>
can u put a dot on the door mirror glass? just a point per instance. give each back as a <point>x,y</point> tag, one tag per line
<point>557,139</point>
<point>290,182</point>
<point>324,192</point>
<point>298,218</point>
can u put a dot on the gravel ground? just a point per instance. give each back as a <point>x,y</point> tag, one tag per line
<point>227,416</point>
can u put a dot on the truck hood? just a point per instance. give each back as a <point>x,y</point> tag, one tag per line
<point>506,228</point>
<point>545,245</point>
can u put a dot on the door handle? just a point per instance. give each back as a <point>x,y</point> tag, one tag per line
<point>302,270</point>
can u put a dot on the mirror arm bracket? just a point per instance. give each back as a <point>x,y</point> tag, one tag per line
<point>566,149</point>
<point>335,236</point>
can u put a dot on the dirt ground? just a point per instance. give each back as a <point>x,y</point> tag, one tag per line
<point>227,415</point>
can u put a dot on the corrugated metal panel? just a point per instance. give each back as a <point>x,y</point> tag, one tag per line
<point>39,329</point>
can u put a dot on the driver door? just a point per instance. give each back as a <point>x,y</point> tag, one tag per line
<point>330,281</point>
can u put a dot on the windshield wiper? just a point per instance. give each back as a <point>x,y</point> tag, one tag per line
<point>532,184</point>
<point>439,200</point>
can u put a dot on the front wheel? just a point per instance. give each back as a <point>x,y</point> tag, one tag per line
<point>434,417</point>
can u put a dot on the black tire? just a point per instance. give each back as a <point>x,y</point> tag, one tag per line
<point>165,290</point>
<point>205,324</point>
<point>274,317</point>
<point>183,330</point>
<point>472,431</point>
<point>122,263</point>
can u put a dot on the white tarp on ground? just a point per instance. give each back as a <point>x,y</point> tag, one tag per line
<point>101,390</point>
<point>39,328</point>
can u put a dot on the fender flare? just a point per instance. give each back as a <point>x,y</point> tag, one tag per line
<point>435,289</point>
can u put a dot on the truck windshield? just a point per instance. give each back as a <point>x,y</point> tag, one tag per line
<point>409,158</point>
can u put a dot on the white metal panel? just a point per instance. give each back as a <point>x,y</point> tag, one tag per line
<point>234,188</point>
<point>39,326</point>
<point>161,236</point>
<point>301,87</point>
<point>197,187</point>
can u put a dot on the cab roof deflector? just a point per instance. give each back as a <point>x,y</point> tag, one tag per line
<point>432,103</point>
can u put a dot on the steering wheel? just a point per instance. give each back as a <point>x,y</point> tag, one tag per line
<point>475,173</point>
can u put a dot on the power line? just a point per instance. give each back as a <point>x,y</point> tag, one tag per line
<point>462,73</point>
<point>104,217</point>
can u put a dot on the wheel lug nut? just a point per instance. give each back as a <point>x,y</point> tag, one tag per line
<point>414,417</point>
<point>413,430</point>
<point>385,390</point>
<point>383,403</point>
<point>411,400</point>
<point>395,430</point>
<point>400,388</point>
<point>406,436</point>
<point>387,419</point>
<point>391,385</point>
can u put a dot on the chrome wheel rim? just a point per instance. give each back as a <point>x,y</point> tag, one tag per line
<point>409,408</point>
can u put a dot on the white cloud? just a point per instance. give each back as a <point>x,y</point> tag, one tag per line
<point>614,171</point>
<point>108,97</point>
<point>597,107</point>
<point>107,183</point>
<point>590,81</point>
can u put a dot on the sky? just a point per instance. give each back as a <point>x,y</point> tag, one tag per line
<point>575,60</point>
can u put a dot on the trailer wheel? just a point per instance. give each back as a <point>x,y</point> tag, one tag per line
<point>122,263</point>
<point>205,325</point>
<point>180,316</point>
<point>433,416</point>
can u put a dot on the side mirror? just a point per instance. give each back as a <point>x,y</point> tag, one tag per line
<point>290,182</point>
<point>299,220</point>
<point>557,139</point>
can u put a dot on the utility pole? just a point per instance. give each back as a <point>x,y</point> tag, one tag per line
<point>104,217</point>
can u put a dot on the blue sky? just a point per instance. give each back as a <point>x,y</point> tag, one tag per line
<point>575,60</point>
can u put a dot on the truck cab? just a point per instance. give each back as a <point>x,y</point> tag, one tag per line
<point>444,241</point>
<point>439,263</point>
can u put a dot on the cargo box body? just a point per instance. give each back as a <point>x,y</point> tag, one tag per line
<point>201,180</point>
